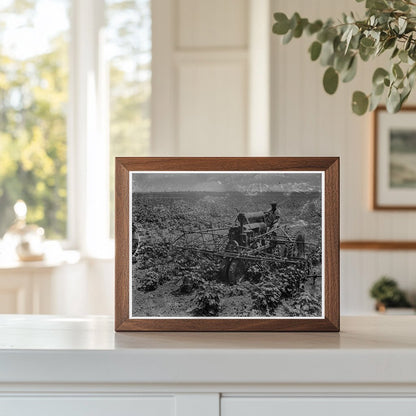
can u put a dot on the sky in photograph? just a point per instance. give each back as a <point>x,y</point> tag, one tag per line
<point>226,182</point>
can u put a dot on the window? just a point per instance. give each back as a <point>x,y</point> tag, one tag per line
<point>75,87</point>
<point>33,97</point>
<point>129,46</point>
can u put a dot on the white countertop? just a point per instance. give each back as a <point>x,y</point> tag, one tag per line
<point>50,349</point>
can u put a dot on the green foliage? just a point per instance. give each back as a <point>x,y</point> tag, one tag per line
<point>388,27</point>
<point>386,291</point>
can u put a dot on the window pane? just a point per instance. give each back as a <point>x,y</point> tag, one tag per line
<point>129,46</point>
<point>33,100</point>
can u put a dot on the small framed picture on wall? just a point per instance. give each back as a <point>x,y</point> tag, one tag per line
<point>394,159</point>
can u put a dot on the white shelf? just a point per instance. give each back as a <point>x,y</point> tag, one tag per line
<point>51,349</point>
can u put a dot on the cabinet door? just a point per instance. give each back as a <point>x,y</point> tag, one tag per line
<point>87,406</point>
<point>273,406</point>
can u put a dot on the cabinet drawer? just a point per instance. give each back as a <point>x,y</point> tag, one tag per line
<point>273,406</point>
<point>87,406</point>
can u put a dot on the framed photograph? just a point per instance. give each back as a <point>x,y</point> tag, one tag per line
<point>394,179</point>
<point>227,244</point>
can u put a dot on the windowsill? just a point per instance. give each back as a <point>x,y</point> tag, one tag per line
<point>55,256</point>
<point>62,258</point>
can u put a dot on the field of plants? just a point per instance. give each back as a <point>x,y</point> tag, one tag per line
<point>167,281</point>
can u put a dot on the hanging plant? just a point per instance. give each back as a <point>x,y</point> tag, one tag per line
<point>389,27</point>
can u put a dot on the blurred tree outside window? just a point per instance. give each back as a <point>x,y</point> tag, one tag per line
<point>33,101</point>
<point>34,93</point>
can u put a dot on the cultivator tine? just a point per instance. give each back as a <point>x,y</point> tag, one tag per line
<point>202,236</point>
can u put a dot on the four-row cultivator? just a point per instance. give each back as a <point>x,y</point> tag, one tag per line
<point>254,237</point>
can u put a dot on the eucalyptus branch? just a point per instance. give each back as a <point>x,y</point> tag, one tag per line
<point>389,25</point>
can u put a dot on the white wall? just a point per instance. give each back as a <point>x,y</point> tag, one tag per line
<point>308,122</point>
<point>201,83</point>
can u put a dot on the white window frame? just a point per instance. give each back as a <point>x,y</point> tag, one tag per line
<point>88,138</point>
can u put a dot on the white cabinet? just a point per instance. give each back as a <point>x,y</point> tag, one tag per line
<point>88,406</point>
<point>271,406</point>
<point>80,366</point>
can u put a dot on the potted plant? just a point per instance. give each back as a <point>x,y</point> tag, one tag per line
<point>387,294</point>
<point>389,27</point>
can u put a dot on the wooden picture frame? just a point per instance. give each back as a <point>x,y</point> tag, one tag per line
<point>394,184</point>
<point>234,173</point>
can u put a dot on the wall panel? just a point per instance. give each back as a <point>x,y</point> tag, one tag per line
<point>212,106</point>
<point>212,24</point>
<point>200,77</point>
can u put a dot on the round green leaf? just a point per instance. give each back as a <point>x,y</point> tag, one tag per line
<point>351,71</point>
<point>412,52</point>
<point>327,54</point>
<point>395,52</point>
<point>403,56</point>
<point>379,75</point>
<point>342,61</point>
<point>314,27</point>
<point>359,103</point>
<point>366,53</point>
<point>300,25</point>
<point>408,42</point>
<point>367,42</point>
<point>374,102</point>
<point>397,71</point>
<point>389,43</point>
<point>288,37</point>
<point>330,80</point>
<point>282,25</point>
<point>294,20</point>
<point>393,101</point>
<point>322,36</point>
<point>376,4</point>
<point>315,50</point>
<point>378,90</point>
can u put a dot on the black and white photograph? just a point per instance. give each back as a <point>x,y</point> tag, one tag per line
<point>226,244</point>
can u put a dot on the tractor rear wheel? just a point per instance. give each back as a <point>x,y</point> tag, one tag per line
<point>236,271</point>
